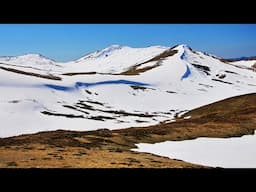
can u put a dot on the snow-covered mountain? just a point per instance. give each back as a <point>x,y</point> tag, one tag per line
<point>114,88</point>
<point>30,63</point>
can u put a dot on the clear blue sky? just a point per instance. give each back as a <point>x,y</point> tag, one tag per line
<point>64,42</point>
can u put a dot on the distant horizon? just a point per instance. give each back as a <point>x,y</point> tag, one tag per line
<point>67,42</point>
<point>36,53</point>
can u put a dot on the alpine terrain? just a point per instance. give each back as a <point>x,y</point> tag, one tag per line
<point>120,87</point>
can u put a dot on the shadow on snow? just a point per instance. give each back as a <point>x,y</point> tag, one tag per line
<point>81,84</point>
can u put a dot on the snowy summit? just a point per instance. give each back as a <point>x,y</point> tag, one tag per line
<point>117,87</point>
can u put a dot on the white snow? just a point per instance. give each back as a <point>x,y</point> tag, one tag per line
<point>214,152</point>
<point>31,63</point>
<point>113,59</point>
<point>28,60</point>
<point>246,64</point>
<point>167,94</point>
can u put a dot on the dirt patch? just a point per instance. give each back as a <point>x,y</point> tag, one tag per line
<point>171,92</point>
<point>95,102</point>
<point>14,101</point>
<point>89,92</point>
<point>138,87</point>
<point>51,77</point>
<point>135,70</point>
<point>239,59</point>
<point>86,73</point>
<point>231,117</point>
<point>62,114</point>
<point>231,72</point>
<point>202,68</point>
<point>124,113</point>
<point>222,81</point>
<point>82,105</point>
<point>74,108</point>
<point>221,76</point>
<point>168,53</point>
<point>100,118</point>
<point>80,73</point>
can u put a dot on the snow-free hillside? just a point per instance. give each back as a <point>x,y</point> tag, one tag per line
<point>114,88</point>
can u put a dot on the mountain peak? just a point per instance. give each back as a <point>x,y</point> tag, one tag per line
<point>29,58</point>
<point>114,46</point>
<point>182,47</point>
<point>108,50</point>
<point>185,46</point>
<point>32,55</point>
<point>103,53</point>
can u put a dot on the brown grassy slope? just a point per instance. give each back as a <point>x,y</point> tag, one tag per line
<point>134,70</point>
<point>51,77</point>
<point>231,117</point>
<point>103,148</point>
<point>93,149</point>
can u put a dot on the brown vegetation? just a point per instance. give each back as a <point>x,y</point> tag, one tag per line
<point>80,73</point>
<point>134,70</point>
<point>104,148</point>
<point>51,77</point>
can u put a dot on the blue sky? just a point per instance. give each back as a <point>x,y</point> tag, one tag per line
<point>65,42</point>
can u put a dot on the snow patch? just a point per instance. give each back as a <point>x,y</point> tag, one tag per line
<point>215,152</point>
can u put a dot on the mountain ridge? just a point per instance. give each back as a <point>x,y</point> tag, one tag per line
<point>129,87</point>
<point>114,47</point>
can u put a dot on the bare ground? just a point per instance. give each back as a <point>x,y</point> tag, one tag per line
<point>50,76</point>
<point>111,149</point>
